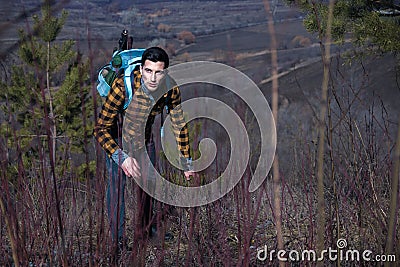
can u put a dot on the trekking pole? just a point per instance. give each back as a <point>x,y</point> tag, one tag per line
<point>123,41</point>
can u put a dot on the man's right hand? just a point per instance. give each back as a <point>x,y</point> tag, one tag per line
<point>131,167</point>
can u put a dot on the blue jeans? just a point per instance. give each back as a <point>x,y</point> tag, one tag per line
<point>115,195</point>
<point>115,198</point>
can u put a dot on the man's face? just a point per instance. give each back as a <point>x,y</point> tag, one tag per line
<point>152,74</point>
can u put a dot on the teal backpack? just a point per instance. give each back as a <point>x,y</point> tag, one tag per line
<point>127,61</point>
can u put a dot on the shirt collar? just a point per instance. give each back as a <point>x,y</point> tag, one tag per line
<point>146,91</point>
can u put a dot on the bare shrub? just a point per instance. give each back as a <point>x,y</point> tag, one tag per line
<point>187,37</point>
<point>147,22</point>
<point>224,56</point>
<point>164,27</point>
<point>159,13</point>
<point>300,41</point>
<point>171,49</point>
<point>185,57</point>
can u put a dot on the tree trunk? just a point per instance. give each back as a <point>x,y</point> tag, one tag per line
<point>51,112</point>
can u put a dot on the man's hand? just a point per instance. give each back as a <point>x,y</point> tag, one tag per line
<point>189,173</point>
<point>131,167</point>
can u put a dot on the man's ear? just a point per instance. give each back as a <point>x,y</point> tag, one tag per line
<point>141,69</point>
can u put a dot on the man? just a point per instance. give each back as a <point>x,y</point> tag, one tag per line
<point>116,126</point>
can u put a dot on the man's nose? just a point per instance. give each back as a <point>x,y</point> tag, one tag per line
<point>153,76</point>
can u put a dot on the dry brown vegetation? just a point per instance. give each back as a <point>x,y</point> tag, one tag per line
<point>301,41</point>
<point>164,28</point>
<point>187,37</point>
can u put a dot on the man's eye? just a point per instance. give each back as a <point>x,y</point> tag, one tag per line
<point>158,72</point>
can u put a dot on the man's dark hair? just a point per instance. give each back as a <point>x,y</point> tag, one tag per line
<point>155,54</point>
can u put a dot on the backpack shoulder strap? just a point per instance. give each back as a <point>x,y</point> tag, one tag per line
<point>168,104</point>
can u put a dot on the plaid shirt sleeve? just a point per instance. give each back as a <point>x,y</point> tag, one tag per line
<point>178,123</point>
<point>107,122</point>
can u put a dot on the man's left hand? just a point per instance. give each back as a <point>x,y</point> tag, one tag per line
<point>188,175</point>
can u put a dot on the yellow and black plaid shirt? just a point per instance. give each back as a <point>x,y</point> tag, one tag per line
<point>138,118</point>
